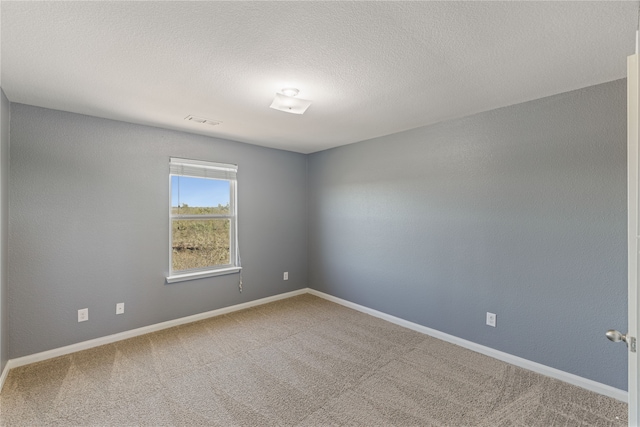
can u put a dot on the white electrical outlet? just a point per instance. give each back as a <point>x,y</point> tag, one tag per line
<point>285,276</point>
<point>491,319</point>
<point>83,315</point>
<point>120,308</point>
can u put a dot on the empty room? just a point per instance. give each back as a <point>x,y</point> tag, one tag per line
<point>319,213</point>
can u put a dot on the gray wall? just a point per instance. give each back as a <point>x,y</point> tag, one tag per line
<point>89,227</point>
<point>5,113</point>
<point>519,211</point>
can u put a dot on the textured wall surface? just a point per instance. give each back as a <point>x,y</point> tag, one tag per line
<point>519,211</point>
<point>89,226</point>
<point>5,114</point>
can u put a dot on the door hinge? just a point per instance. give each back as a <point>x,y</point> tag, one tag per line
<point>632,344</point>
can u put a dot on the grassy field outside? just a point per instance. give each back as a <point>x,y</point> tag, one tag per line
<point>198,243</point>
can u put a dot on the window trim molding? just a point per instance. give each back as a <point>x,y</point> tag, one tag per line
<point>234,254</point>
<point>202,274</point>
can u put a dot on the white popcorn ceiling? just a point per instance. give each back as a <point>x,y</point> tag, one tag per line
<point>370,68</point>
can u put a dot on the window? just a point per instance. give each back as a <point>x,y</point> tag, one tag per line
<point>203,216</point>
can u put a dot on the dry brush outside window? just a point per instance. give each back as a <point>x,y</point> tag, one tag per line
<point>203,216</point>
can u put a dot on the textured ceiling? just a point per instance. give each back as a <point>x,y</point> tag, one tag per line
<point>370,68</point>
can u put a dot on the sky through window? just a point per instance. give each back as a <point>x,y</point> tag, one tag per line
<point>199,192</point>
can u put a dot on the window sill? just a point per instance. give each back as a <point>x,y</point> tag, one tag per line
<point>202,274</point>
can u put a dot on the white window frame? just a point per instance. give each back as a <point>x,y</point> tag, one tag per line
<point>210,170</point>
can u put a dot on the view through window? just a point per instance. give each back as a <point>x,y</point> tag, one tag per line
<point>203,216</point>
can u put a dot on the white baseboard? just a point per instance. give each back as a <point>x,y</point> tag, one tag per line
<point>5,373</point>
<point>505,357</point>
<point>61,351</point>
<point>548,371</point>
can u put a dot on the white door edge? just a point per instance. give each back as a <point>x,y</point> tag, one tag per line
<point>633,122</point>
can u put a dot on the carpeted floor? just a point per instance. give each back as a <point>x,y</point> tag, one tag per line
<point>302,361</point>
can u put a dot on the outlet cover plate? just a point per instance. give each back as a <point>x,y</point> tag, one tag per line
<point>83,315</point>
<point>491,319</point>
<point>120,308</point>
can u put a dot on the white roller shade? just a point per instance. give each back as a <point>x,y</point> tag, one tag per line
<point>202,169</point>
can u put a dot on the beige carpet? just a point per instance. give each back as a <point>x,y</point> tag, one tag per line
<point>302,361</point>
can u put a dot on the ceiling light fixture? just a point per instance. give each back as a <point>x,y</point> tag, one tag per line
<point>290,91</point>
<point>287,102</point>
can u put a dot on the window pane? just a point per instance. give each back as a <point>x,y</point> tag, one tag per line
<point>200,243</point>
<point>195,196</point>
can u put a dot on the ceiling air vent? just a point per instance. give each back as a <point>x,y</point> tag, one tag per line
<point>202,121</point>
